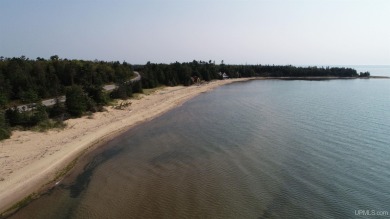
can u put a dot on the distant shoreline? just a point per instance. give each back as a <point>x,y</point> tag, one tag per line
<point>380,77</point>
<point>319,78</point>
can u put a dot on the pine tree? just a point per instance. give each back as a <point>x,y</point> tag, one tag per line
<point>5,132</point>
<point>76,103</point>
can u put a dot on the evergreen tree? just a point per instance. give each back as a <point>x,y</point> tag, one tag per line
<point>39,115</point>
<point>76,103</point>
<point>137,87</point>
<point>58,111</point>
<point>3,101</point>
<point>97,94</point>
<point>123,91</point>
<point>5,132</point>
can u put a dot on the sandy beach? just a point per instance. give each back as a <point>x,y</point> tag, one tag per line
<point>30,160</point>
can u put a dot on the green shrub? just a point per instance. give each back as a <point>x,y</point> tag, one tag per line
<point>76,101</point>
<point>5,132</point>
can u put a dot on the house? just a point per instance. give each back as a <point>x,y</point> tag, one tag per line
<point>224,75</point>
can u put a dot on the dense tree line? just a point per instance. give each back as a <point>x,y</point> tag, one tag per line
<point>185,73</point>
<point>177,73</point>
<point>364,74</point>
<point>29,81</point>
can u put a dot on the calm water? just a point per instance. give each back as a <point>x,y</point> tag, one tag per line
<point>376,70</point>
<point>259,149</point>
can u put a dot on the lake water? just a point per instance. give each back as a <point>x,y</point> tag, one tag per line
<point>375,70</point>
<point>258,149</point>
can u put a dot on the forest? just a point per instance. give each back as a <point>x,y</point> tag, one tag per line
<point>26,81</point>
<point>184,73</point>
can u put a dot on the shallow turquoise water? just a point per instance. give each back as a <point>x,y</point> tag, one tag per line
<point>258,149</point>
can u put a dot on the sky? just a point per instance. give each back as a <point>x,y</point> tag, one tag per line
<point>281,32</point>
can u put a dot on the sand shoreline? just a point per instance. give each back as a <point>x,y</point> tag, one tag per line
<point>31,161</point>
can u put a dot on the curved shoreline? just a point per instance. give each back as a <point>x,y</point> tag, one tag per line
<point>31,161</point>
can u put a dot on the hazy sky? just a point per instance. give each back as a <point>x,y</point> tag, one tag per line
<point>294,32</point>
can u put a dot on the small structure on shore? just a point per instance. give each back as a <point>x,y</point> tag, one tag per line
<point>195,80</point>
<point>223,75</point>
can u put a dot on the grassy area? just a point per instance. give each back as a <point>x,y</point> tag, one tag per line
<point>146,92</point>
<point>48,124</point>
<point>122,104</point>
<point>152,90</point>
